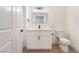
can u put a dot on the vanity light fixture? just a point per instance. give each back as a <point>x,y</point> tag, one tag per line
<point>39,8</point>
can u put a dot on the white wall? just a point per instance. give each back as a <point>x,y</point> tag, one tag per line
<point>73,26</point>
<point>56,17</point>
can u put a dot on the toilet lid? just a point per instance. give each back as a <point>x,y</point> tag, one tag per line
<point>64,40</point>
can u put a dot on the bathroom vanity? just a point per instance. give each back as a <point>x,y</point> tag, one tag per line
<point>38,35</point>
<point>39,39</point>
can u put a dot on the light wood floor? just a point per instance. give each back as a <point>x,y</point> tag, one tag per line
<point>55,49</point>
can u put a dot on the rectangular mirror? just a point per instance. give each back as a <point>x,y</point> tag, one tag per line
<point>39,18</point>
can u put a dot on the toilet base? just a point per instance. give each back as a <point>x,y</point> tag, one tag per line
<point>64,48</point>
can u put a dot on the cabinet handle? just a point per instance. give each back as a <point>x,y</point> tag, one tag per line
<point>52,34</point>
<point>38,37</point>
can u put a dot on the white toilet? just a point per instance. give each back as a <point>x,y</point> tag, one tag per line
<point>63,41</point>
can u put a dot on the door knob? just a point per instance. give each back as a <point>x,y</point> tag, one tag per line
<point>21,30</point>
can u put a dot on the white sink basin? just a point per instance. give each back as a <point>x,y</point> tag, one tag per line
<point>38,29</point>
<point>34,28</point>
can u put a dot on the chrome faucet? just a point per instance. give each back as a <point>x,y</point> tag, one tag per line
<point>39,26</point>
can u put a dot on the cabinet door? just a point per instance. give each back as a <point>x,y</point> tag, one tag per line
<point>45,42</point>
<point>32,42</point>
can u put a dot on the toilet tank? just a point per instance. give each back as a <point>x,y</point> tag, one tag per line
<point>60,34</point>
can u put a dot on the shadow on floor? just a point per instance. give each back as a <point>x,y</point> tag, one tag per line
<point>55,49</point>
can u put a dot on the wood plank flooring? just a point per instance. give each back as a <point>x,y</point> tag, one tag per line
<point>55,49</point>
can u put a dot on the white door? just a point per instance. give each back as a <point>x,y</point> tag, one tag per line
<point>10,26</point>
<point>6,47</point>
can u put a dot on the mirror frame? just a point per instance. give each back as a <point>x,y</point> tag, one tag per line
<point>38,14</point>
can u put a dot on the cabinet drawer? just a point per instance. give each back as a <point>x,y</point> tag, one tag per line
<point>39,33</point>
<point>45,33</point>
<point>32,33</point>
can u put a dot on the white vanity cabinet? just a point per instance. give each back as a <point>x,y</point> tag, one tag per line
<point>39,39</point>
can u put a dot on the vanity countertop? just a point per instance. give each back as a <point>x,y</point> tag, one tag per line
<point>36,27</point>
<point>39,29</point>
